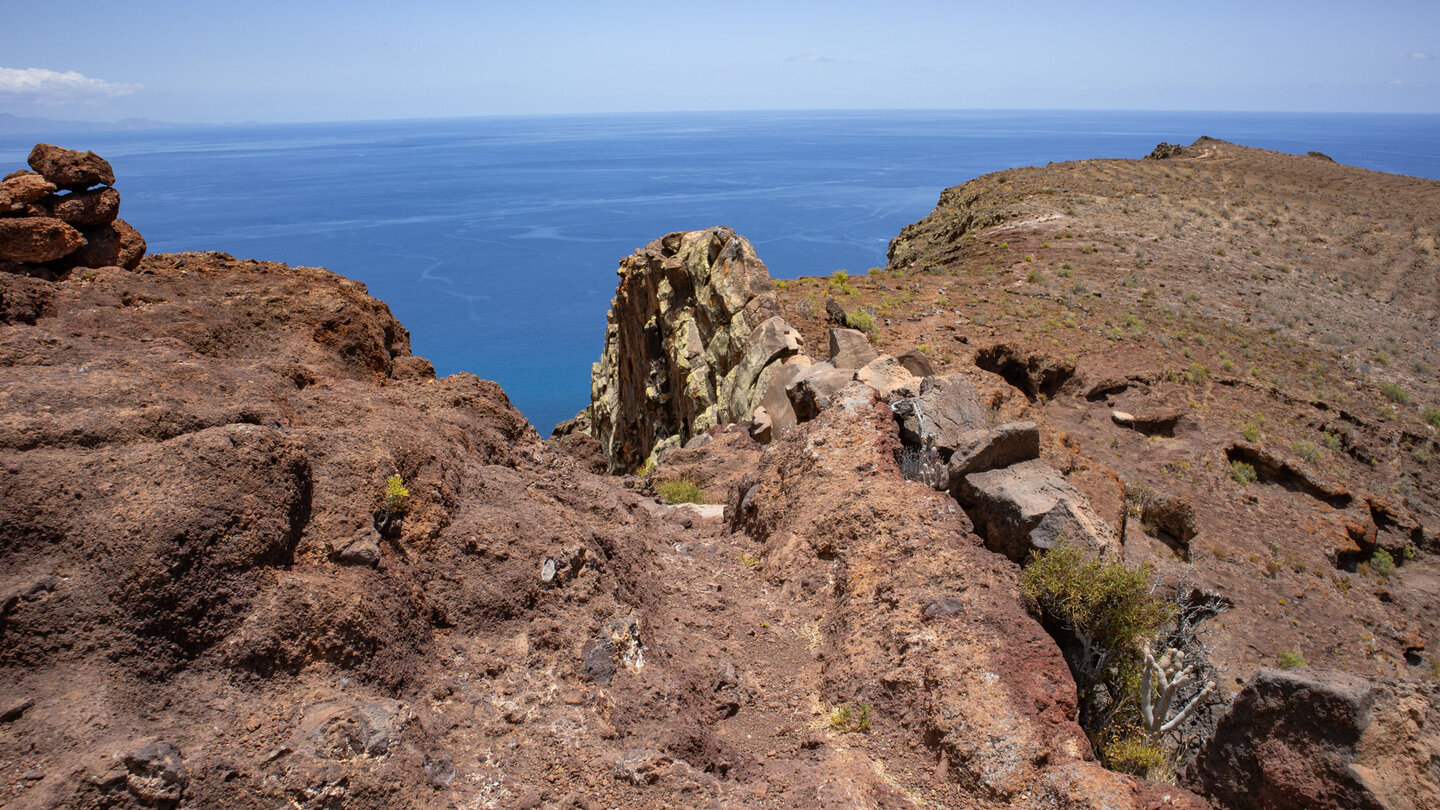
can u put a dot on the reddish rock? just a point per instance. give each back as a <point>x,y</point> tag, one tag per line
<point>23,189</point>
<point>1324,740</point>
<point>96,207</point>
<point>37,239</point>
<point>68,168</point>
<point>115,244</point>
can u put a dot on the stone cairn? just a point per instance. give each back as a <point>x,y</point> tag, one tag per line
<point>62,215</point>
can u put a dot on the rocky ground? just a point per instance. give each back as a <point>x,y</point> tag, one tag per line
<point>1249,306</point>
<point>253,553</point>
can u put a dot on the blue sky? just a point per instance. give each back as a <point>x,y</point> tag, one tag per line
<point>310,61</point>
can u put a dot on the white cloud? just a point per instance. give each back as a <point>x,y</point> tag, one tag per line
<point>1419,55</point>
<point>53,87</point>
<point>809,57</point>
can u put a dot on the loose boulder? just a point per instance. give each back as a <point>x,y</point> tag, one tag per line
<point>987,449</point>
<point>69,168</point>
<point>811,392</point>
<point>1030,506</point>
<point>22,190</point>
<point>890,378</point>
<point>945,409</point>
<point>37,239</point>
<point>849,348</point>
<point>96,207</point>
<point>1319,739</point>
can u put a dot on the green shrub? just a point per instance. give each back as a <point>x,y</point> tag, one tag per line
<point>1250,431</point>
<point>1381,563</point>
<point>1197,373</point>
<point>860,320</point>
<point>1306,450</point>
<point>396,495</point>
<point>1289,660</point>
<point>1243,473</point>
<point>850,717</point>
<point>680,490</point>
<point>1395,393</point>
<point>1431,414</point>
<point>1136,755</point>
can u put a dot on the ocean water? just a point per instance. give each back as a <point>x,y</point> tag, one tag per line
<point>495,240</point>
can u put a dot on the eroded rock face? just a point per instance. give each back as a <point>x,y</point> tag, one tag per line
<point>918,619</point>
<point>1320,739</point>
<point>692,341</point>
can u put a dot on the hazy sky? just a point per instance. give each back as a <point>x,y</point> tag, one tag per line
<point>302,60</point>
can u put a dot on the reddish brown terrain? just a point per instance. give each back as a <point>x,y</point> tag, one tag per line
<point>208,598</point>
<point>1258,305</point>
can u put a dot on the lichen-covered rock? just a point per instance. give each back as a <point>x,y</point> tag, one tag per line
<point>70,168</point>
<point>692,341</point>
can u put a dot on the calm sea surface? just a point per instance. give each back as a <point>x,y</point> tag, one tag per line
<point>496,240</point>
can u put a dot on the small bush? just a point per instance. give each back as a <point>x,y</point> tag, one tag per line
<point>1332,440</point>
<point>1136,755</point>
<point>1381,563</point>
<point>1431,415</point>
<point>1250,431</point>
<point>1395,393</point>
<point>850,717</point>
<point>396,495</point>
<point>1197,373</point>
<point>1034,276</point>
<point>1306,450</point>
<point>1243,473</point>
<point>1101,598</point>
<point>861,321</point>
<point>1289,660</point>
<point>680,490</point>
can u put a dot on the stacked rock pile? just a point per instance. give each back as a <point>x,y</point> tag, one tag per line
<point>62,215</point>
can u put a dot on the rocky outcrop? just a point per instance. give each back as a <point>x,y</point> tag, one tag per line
<point>1320,739</point>
<point>52,220</point>
<point>693,338</point>
<point>917,619</point>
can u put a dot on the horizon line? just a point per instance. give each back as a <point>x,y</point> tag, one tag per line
<point>735,111</point>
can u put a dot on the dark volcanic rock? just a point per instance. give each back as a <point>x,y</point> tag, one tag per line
<point>68,168</point>
<point>946,408</point>
<point>37,239</point>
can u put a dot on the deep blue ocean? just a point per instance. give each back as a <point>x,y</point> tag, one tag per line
<point>495,240</point>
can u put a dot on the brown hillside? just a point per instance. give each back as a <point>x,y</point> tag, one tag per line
<point>1245,305</point>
